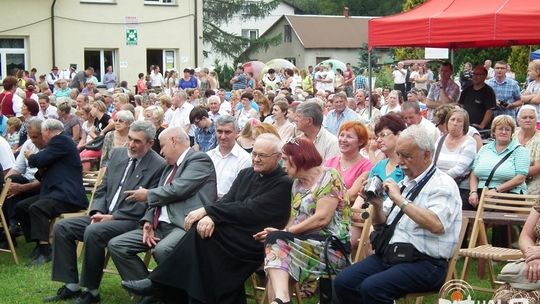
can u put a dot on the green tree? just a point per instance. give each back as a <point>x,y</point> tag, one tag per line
<point>478,56</point>
<point>518,59</point>
<point>356,8</point>
<point>218,12</point>
<point>225,74</point>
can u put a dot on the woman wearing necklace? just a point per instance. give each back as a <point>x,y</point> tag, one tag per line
<point>118,137</point>
<point>352,166</point>
<point>320,208</point>
<point>387,131</point>
<point>509,162</point>
<point>529,137</point>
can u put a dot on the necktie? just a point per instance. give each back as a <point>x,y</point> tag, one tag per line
<point>157,211</point>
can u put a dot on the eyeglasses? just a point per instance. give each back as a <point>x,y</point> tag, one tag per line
<point>383,134</point>
<point>120,120</point>
<point>263,156</point>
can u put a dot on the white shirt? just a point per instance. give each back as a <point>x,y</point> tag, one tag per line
<point>50,112</point>
<point>225,107</point>
<point>399,77</point>
<point>156,79</point>
<point>21,163</point>
<point>227,166</point>
<point>180,117</point>
<point>7,160</point>
<point>51,78</point>
<point>17,105</point>
<point>431,129</point>
<point>167,117</point>
<point>164,216</point>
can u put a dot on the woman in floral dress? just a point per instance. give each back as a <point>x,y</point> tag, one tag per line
<point>320,208</point>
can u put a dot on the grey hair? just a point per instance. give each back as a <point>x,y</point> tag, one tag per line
<point>156,111</point>
<point>52,125</point>
<point>177,132</point>
<point>226,119</point>
<point>274,141</point>
<point>35,123</point>
<point>214,97</point>
<point>181,94</point>
<point>144,126</point>
<point>527,107</point>
<point>420,137</point>
<point>313,110</point>
<point>126,116</point>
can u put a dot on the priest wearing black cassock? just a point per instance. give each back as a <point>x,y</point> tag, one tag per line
<point>212,262</point>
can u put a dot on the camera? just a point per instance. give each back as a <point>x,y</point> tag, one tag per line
<point>503,103</point>
<point>374,188</point>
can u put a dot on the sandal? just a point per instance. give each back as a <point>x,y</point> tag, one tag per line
<point>279,301</point>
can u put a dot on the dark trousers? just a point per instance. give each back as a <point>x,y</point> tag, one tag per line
<point>34,216</point>
<point>401,87</point>
<point>373,282</point>
<point>9,205</point>
<point>95,237</point>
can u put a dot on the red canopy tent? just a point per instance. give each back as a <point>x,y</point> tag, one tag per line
<point>460,24</point>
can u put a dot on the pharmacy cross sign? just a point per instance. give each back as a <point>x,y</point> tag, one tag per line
<point>131,37</point>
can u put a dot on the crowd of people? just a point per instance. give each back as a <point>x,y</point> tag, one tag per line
<point>218,184</point>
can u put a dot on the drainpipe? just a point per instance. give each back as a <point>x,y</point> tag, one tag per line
<point>52,34</point>
<point>196,36</point>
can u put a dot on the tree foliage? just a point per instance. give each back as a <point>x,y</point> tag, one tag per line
<point>219,12</point>
<point>356,8</point>
<point>518,59</point>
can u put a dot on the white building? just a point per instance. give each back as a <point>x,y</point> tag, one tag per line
<point>130,35</point>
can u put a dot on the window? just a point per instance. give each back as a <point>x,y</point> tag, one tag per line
<point>291,60</point>
<point>99,60</point>
<point>160,2</point>
<point>287,35</point>
<point>12,56</point>
<point>250,34</point>
<point>165,59</point>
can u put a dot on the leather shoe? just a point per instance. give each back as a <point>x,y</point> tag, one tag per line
<point>5,244</point>
<point>41,259</point>
<point>87,298</point>
<point>143,287</point>
<point>62,294</point>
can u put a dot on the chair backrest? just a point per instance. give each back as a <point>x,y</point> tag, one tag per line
<point>452,273</point>
<point>95,180</point>
<point>364,245</point>
<point>499,205</point>
<point>3,195</point>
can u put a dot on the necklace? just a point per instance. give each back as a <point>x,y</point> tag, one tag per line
<point>345,165</point>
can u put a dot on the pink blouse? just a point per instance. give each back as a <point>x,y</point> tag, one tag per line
<point>352,173</point>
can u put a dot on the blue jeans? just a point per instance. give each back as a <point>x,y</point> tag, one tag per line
<point>371,281</point>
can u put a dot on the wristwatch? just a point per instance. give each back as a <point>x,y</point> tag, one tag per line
<point>404,204</point>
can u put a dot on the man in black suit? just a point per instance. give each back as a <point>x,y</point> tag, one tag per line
<point>188,184</point>
<point>61,188</point>
<point>110,215</point>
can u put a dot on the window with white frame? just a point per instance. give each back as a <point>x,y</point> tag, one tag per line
<point>160,2</point>
<point>99,60</point>
<point>250,34</point>
<point>13,56</point>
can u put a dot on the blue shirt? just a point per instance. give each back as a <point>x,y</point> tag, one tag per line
<point>3,125</point>
<point>517,164</point>
<point>254,105</point>
<point>380,170</point>
<point>189,84</point>
<point>206,139</point>
<point>332,122</point>
<point>508,91</point>
<point>240,83</point>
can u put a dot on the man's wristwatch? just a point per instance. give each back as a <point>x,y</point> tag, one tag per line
<point>404,204</point>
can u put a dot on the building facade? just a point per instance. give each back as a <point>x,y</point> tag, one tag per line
<point>129,35</point>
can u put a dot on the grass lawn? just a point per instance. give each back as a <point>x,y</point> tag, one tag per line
<point>24,284</point>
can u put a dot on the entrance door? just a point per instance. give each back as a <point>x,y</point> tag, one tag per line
<point>154,57</point>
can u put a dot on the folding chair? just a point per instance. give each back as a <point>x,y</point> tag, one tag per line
<point>364,246</point>
<point>502,207</point>
<point>450,274</point>
<point>4,224</point>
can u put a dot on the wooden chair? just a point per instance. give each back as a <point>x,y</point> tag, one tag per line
<point>146,260</point>
<point>450,274</point>
<point>364,246</point>
<point>503,207</point>
<point>4,224</point>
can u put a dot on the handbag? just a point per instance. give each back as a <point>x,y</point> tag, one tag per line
<point>514,274</point>
<point>96,143</point>
<point>325,282</point>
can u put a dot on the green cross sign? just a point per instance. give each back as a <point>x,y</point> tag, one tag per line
<point>131,37</point>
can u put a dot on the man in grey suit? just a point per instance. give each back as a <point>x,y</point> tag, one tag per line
<point>110,215</point>
<point>188,184</point>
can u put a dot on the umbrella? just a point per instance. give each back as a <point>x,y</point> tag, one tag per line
<point>254,67</point>
<point>276,64</point>
<point>336,63</point>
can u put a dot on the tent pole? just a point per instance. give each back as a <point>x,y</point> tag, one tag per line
<point>369,84</point>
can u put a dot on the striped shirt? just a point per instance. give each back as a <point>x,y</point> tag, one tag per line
<point>440,195</point>
<point>457,162</point>
<point>517,164</point>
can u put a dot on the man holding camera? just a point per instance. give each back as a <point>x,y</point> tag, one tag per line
<point>425,210</point>
<point>506,90</point>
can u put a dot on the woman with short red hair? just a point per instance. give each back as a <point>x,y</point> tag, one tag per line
<point>320,208</point>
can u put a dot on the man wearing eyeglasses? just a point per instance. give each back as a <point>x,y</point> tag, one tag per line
<point>506,90</point>
<point>219,253</point>
<point>478,99</point>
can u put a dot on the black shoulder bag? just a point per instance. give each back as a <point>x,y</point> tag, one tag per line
<point>380,237</point>
<point>325,283</point>
<point>488,180</point>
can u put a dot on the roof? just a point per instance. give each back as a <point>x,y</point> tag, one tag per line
<point>336,32</point>
<point>460,23</point>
